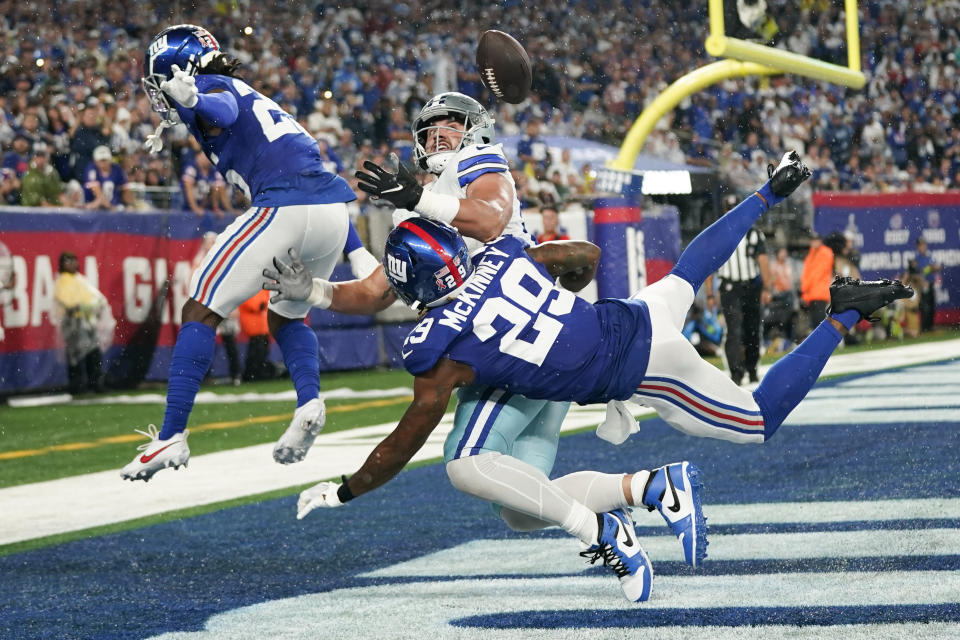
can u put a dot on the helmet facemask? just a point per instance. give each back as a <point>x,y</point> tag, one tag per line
<point>476,122</point>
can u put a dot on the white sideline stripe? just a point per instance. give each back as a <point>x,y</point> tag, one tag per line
<point>71,504</point>
<point>424,609</point>
<point>206,397</point>
<point>818,512</point>
<point>559,557</point>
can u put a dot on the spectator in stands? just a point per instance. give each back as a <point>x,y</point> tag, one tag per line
<point>79,308</point>
<point>928,297</point>
<point>41,185</point>
<point>86,137</point>
<point>105,183</point>
<point>532,149</point>
<point>551,225</point>
<point>204,187</point>
<point>779,319</point>
<point>815,280</point>
<point>9,186</point>
<point>18,158</point>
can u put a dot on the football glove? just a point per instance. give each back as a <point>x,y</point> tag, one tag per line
<point>321,495</point>
<point>789,175</point>
<point>400,188</point>
<point>294,282</point>
<point>182,87</point>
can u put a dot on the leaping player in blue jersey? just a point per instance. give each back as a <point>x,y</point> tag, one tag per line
<point>498,318</point>
<point>265,152</point>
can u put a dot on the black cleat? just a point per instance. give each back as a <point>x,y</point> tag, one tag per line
<point>788,175</point>
<point>865,296</point>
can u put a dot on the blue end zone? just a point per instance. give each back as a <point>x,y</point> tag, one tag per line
<point>175,576</point>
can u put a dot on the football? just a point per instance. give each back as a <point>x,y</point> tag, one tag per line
<point>504,66</point>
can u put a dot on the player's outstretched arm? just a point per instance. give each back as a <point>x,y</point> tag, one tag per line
<point>431,396</point>
<point>292,281</point>
<point>482,215</point>
<point>574,262</point>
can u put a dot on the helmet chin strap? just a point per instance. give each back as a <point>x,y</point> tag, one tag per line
<point>154,141</point>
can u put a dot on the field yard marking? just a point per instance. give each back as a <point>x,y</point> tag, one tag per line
<point>425,609</point>
<point>208,426</point>
<point>559,556</point>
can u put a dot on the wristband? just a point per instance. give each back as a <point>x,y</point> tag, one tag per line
<point>438,206</point>
<point>321,295</point>
<point>362,262</point>
<point>344,494</point>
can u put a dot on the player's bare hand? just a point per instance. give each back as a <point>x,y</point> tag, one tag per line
<point>182,87</point>
<point>321,495</point>
<point>400,188</point>
<point>290,281</point>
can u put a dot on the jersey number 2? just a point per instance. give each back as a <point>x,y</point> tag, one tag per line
<point>274,121</point>
<point>514,306</point>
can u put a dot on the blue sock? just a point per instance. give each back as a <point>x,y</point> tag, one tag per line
<point>789,380</point>
<point>301,354</point>
<point>191,359</point>
<point>847,318</point>
<point>353,240</point>
<point>714,245</point>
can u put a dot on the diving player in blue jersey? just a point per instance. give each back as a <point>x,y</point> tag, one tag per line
<point>498,318</point>
<point>295,203</point>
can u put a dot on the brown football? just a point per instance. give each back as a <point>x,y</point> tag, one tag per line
<point>504,66</point>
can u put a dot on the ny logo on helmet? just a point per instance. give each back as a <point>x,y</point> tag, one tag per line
<point>157,46</point>
<point>397,268</point>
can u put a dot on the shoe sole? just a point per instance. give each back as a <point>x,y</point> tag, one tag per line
<point>146,474</point>
<point>699,521</point>
<point>648,590</point>
<point>291,455</point>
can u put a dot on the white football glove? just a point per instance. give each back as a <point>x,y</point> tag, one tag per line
<point>182,87</point>
<point>322,495</point>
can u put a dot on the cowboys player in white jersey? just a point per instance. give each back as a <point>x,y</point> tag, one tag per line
<point>475,193</point>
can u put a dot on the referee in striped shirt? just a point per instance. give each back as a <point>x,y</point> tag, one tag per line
<point>744,284</point>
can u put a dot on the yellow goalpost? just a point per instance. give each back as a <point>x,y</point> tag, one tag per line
<point>743,58</point>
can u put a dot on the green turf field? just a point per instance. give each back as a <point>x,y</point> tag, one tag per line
<point>48,442</point>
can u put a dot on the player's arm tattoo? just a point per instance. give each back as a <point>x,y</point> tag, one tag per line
<point>431,396</point>
<point>574,262</point>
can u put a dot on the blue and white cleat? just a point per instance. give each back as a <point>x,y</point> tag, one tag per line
<point>674,490</point>
<point>620,550</point>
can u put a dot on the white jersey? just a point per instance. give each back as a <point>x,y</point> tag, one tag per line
<point>467,165</point>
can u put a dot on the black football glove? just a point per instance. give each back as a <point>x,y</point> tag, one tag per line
<point>789,175</point>
<point>399,188</point>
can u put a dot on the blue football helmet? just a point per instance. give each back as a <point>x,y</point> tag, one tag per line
<point>186,45</point>
<point>426,262</point>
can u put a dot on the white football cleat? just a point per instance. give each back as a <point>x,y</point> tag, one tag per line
<point>157,454</point>
<point>307,423</point>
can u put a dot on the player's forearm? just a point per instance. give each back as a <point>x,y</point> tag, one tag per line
<point>481,220</point>
<point>574,262</point>
<point>396,450</point>
<point>362,297</point>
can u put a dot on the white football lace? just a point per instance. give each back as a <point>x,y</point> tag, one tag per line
<point>492,81</point>
<point>152,432</point>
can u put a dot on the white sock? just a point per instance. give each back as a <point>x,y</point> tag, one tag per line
<point>582,523</point>
<point>599,492</point>
<point>637,485</point>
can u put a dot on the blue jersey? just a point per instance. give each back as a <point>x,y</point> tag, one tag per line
<point>265,152</point>
<point>521,332</point>
<point>112,184</point>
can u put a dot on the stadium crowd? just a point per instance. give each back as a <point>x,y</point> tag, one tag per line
<point>355,77</point>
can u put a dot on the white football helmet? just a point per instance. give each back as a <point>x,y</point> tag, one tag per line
<point>477,123</point>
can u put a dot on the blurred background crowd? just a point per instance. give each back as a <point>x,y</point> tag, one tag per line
<point>356,75</point>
